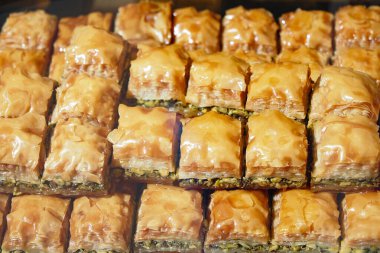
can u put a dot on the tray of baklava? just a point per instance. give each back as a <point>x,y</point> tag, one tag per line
<point>162,129</point>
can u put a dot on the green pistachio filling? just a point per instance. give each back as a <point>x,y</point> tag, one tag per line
<point>59,184</point>
<point>273,182</point>
<point>368,249</point>
<point>149,174</point>
<point>310,247</point>
<point>227,182</point>
<point>238,246</point>
<point>168,245</point>
<point>97,251</point>
<point>343,183</point>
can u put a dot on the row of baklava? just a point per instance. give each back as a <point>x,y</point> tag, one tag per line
<point>172,219</point>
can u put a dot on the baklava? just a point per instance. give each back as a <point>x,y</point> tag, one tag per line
<point>276,153</point>
<point>312,29</point>
<point>145,143</point>
<point>22,92</point>
<point>90,98</point>
<point>280,86</point>
<point>21,152</point>
<point>357,26</point>
<point>169,220</point>
<point>238,222</point>
<point>346,154</point>
<point>344,92</point>
<point>158,77</point>
<point>250,30</point>
<point>96,52</point>
<point>4,209</point>
<point>305,221</point>
<point>251,57</point>
<point>197,30</point>
<point>211,152</point>
<point>101,224</point>
<point>34,61</point>
<point>360,220</point>
<point>77,163</point>
<point>37,224</point>
<point>217,81</point>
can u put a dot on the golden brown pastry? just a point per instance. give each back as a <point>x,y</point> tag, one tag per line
<point>360,218</point>
<point>197,30</point>
<point>78,158</point>
<point>312,29</point>
<point>251,57</point>
<point>57,66</point>
<point>279,86</point>
<point>343,92</point>
<point>37,224</point>
<point>305,221</point>
<point>145,143</point>
<point>33,61</point>
<point>346,153</point>
<point>276,153</point>
<point>4,209</point>
<point>250,30</point>
<point>169,219</point>
<point>238,222</point>
<point>211,152</point>
<point>357,26</point>
<point>101,224</point>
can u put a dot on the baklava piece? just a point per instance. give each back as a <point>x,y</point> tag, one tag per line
<point>4,209</point>
<point>344,92</point>
<point>360,220</point>
<point>37,224</point>
<point>145,144</point>
<point>158,77</point>
<point>96,52</point>
<point>312,29</point>
<point>34,61</point>
<point>251,57</point>
<point>211,150</point>
<point>276,154</point>
<point>90,98</point>
<point>250,30</point>
<point>305,221</point>
<point>346,154</point>
<point>78,158</point>
<point>357,26</point>
<point>21,152</point>
<point>217,81</point>
<point>239,222</point>
<point>197,30</point>
<point>169,220</point>
<point>280,86</point>
<point>145,22</point>
<point>101,224</point>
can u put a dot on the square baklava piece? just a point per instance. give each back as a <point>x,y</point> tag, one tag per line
<point>101,224</point>
<point>249,30</point>
<point>276,153</point>
<point>305,221</point>
<point>312,29</point>
<point>346,154</point>
<point>357,26</point>
<point>217,81</point>
<point>280,86</point>
<point>34,61</point>
<point>96,52</point>
<point>211,152</point>
<point>197,30</point>
<point>90,98</point>
<point>238,222</point>
<point>22,152</point>
<point>158,77</point>
<point>344,92</point>
<point>360,220</point>
<point>169,220</point>
<point>37,224</point>
<point>145,143</point>
<point>77,163</point>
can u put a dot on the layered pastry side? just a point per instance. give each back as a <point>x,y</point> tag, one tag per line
<point>5,204</point>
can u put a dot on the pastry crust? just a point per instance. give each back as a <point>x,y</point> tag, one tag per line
<point>250,30</point>
<point>357,26</point>
<point>145,142</point>
<point>344,92</point>
<point>303,218</point>
<point>34,61</point>
<point>360,214</point>
<point>312,29</point>
<point>277,148</point>
<point>4,209</point>
<point>279,86</point>
<point>23,92</point>
<point>251,57</point>
<point>197,30</point>
<point>101,224</point>
<point>37,224</point>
